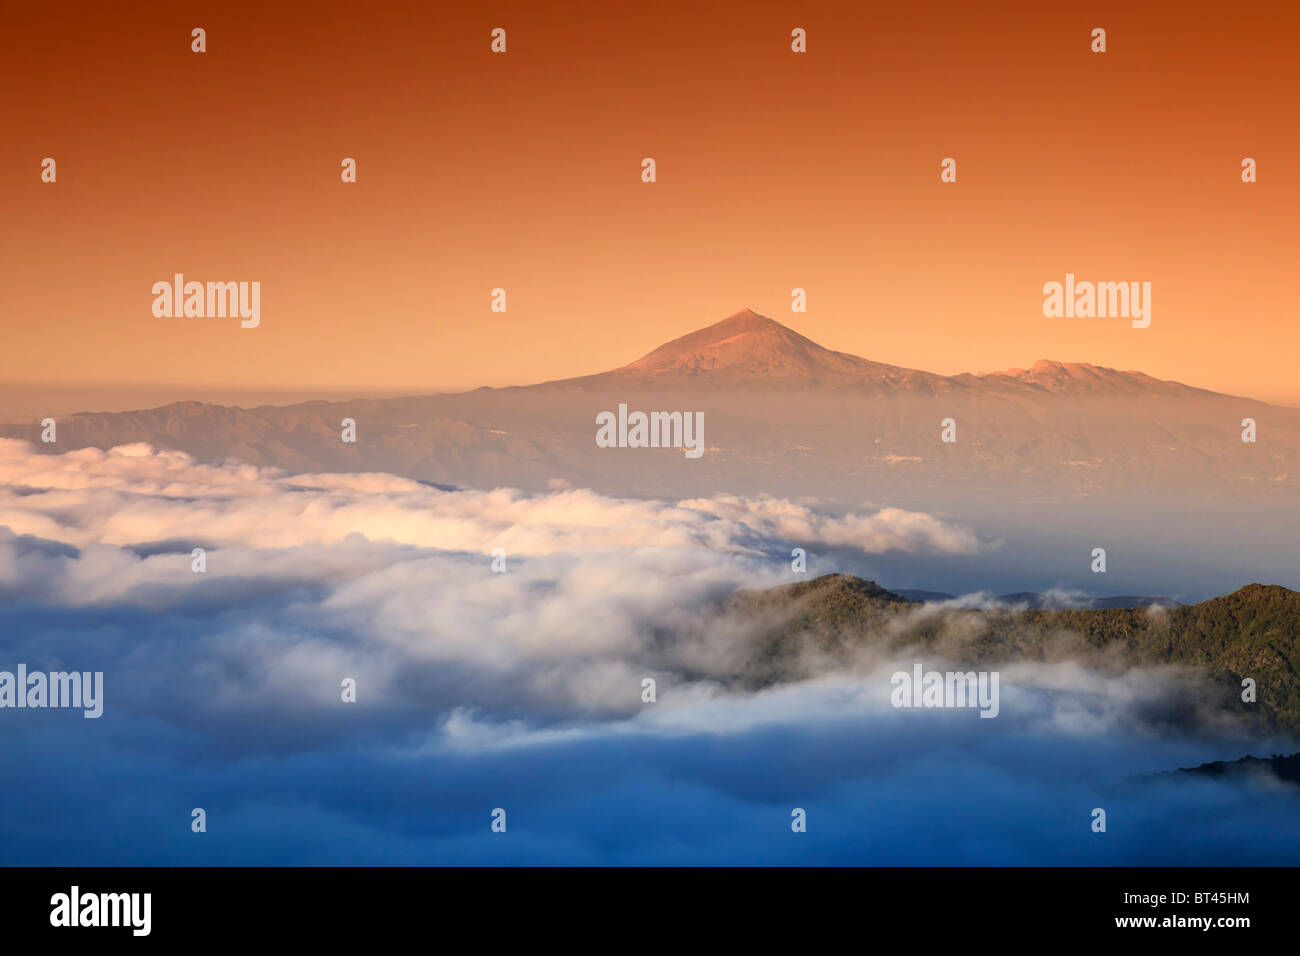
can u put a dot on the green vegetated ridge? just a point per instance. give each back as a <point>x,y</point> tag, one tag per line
<point>1252,632</point>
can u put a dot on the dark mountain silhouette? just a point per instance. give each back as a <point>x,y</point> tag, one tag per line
<point>1277,768</point>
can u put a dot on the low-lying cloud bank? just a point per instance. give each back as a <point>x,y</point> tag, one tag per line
<point>134,494</point>
<point>523,690</point>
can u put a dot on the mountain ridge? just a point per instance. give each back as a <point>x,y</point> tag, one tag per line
<point>1252,632</point>
<point>785,416</point>
<point>748,348</point>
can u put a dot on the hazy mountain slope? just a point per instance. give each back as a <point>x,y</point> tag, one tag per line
<point>782,414</point>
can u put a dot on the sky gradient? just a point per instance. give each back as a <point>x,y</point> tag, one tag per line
<point>522,170</point>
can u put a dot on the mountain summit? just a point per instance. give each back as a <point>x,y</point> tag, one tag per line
<point>749,344</point>
<point>748,348</point>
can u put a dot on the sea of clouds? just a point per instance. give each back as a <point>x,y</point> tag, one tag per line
<point>522,690</point>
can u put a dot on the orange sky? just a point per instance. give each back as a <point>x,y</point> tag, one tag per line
<point>522,170</point>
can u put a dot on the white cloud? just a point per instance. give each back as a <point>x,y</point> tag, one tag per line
<point>133,495</point>
<point>477,689</point>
